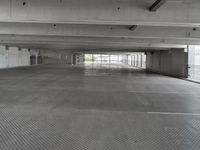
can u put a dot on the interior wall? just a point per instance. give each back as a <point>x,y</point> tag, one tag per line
<point>173,62</point>
<point>14,57</point>
<point>54,57</point>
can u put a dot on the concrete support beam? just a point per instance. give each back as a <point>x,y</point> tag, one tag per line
<point>36,59</point>
<point>157,5</point>
<point>93,41</point>
<point>99,31</point>
<point>120,12</point>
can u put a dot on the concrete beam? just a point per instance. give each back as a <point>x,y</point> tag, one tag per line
<point>87,43</point>
<point>70,48</point>
<point>30,29</point>
<point>157,4</point>
<point>100,12</point>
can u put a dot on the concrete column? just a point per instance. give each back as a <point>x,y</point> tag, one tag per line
<point>131,60</point>
<point>72,59</point>
<point>36,59</point>
<point>7,56</point>
<point>118,58</point>
<point>92,59</point>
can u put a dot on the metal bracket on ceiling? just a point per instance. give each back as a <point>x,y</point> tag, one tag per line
<point>133,27</point>
<point>156,5</point>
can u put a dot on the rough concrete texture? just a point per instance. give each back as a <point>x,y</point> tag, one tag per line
<point>97,108</point>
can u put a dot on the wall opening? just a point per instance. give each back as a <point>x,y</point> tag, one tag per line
<point>194,63</point>
<point>103,58</point>
<point>137,60</point>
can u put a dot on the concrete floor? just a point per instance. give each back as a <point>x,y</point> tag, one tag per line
<point>97,108</point>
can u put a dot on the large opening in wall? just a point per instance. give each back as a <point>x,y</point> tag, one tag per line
<point>137,60</point>
<point>103,58</point>
<point>194,63</point>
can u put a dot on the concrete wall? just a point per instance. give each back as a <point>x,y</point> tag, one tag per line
<point>54,57</point>
<point>173,62</point>
<point>13,57</point>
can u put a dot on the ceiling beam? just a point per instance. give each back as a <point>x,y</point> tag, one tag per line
<point>130,12</point>
<point>157,5</point>
<point>87,31</point>
<point>36,40</point>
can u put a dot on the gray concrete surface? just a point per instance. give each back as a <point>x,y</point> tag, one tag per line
<point>172,63</point>
<point>99,25</point>
<point>97,107</point>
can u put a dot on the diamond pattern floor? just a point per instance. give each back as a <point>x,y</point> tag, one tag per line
<point>77,108</point>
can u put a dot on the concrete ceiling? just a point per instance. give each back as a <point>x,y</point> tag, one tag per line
<point>99,25</point>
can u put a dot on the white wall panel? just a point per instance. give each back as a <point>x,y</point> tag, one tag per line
<point>13,57</point>
<point>24,54</point>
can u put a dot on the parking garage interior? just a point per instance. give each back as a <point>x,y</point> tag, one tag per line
<point>100,75</point>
